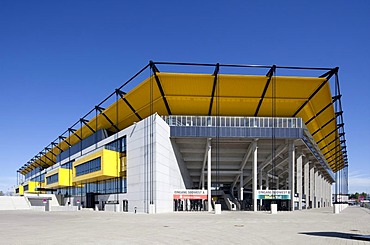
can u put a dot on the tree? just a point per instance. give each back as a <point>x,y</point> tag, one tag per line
<point>354,196</point>
<point>1,193</point>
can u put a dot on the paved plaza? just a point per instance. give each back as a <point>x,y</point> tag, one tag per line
<point>316,226</point>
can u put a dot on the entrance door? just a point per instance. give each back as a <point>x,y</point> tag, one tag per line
<point>90,200</point>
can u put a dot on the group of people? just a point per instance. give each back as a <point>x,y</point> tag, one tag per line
<point>189,205</point>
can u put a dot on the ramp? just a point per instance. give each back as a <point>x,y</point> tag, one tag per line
<point>14,203</point>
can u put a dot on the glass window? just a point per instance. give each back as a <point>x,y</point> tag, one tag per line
<point>67,165</point>
<point>88,167</point>
<point>117,145</point>
<point>52,179</point>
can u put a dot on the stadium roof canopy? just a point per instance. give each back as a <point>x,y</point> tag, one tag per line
<point>217,94</point>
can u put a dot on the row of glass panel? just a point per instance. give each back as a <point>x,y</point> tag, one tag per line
<point>88,167</point>
<point>52,179</point>
<point>118,145</point>
<point>223,121</point>
<point>111,186</point>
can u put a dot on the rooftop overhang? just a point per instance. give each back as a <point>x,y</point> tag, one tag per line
<point>217,94</point>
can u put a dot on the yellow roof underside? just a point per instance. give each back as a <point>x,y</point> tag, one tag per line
<point>235,95</point>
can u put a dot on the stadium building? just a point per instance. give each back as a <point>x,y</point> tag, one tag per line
<point>184,136</point>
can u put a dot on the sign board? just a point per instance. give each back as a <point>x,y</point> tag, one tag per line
<point>190,194</point>
<point>274,194</point>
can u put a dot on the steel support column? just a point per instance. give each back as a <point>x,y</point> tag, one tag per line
<point>291,152</point>
<point>316,188</point>
<point>241,187</point>
<point>312,185</point>
<point>209,181</point>
<point>254,185</point>
<point>260,184</point>
<point>306,173</point>
<point>299,180</point>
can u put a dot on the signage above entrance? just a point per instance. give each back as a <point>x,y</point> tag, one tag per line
<point>190,194</point>
<point>274,194</point>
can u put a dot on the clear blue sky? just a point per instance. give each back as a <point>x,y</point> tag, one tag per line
<point>60,58</point>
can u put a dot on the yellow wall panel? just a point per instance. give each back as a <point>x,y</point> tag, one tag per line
<point>110,166</point>
<point>64,178</point>
<point>32,185</point>
<point>20,190</point>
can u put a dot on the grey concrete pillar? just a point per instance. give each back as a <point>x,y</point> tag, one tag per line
<point>321,191</point>
<point>330,195</point>
<point>312,186</point>
<point>291,160</point>
<point>316,189</point>
<point>254,185</point>
<point>306,172</point>
<point>325,192</point>
<point>299,180</point>
<point>260,180</point>
<point>209,181</point>
<point>241,187</point>
<point>267,180</point>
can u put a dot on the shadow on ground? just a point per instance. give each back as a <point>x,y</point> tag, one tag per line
<point>335,234</point>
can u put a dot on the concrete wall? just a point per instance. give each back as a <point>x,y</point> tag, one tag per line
<point>167,172</point>
<point>37,199</point>
<point>14,203</point>
<point>164,171</point>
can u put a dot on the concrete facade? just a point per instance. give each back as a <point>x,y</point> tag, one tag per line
<point>232,169</point>
<point>152,169</point>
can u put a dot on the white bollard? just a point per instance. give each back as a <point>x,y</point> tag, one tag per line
<point>217,208</point>
<point>336,208</point>
<point>274,208</point>
<point>151,208</point>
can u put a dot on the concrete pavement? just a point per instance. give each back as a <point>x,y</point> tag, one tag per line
<point>315,226</point>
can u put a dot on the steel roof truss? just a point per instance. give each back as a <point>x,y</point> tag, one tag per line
<point>338,127</point>
<point>101,110</point>
<point>155,71</point>
<point>328,75</point>
<point>269,74</point>
<point>72,131</point>
<point>121,94</point>
<point>215,74</point>
<point>85,122</point>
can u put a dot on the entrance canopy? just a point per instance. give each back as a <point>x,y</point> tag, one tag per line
<point>217,94</point>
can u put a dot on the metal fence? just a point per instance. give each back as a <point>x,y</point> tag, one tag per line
<point>227,121</point>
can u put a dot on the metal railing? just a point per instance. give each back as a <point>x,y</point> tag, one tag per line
<point>227,121</point>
